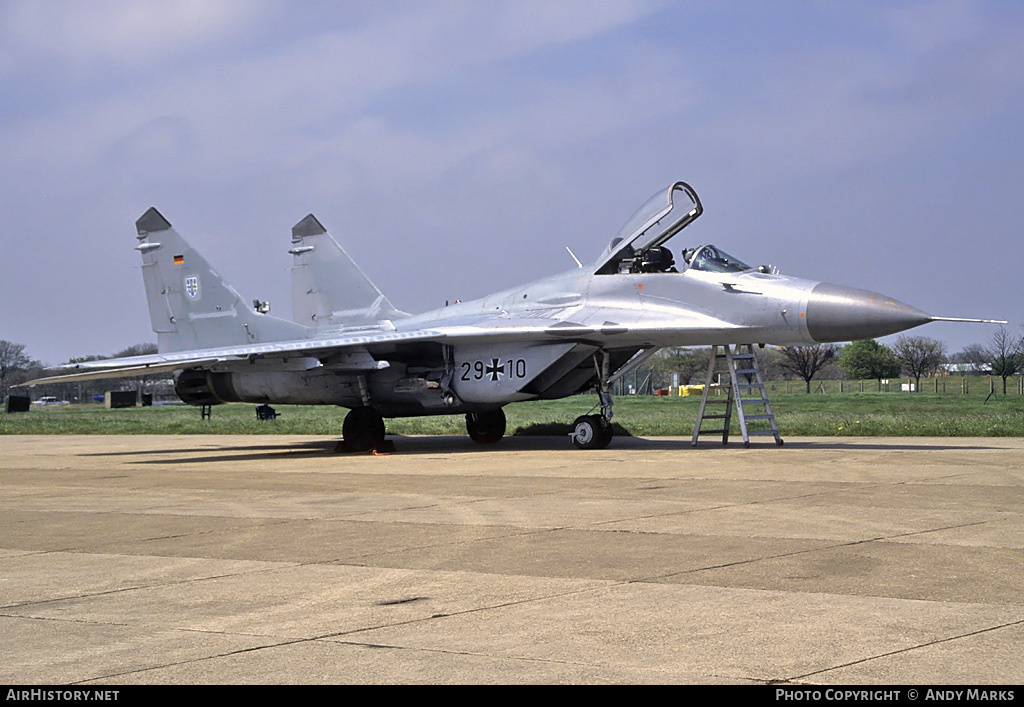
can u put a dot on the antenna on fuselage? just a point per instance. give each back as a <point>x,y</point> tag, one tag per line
<point>573,255</point>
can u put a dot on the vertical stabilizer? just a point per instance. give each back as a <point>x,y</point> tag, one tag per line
<point>328,288</point>
<point>190,305</point>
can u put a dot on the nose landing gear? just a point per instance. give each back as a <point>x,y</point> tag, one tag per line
<point>595,431</point>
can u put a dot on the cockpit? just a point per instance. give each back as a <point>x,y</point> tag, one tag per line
<point>639,246</point>
<point>708,258</point>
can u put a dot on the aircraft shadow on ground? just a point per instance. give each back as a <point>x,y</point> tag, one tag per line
<point>450,444</point>
<point>292,447</point>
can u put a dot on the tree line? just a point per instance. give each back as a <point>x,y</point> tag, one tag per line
<point>914,356</point>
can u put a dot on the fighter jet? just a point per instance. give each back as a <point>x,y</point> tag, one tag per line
<point>573,332</point>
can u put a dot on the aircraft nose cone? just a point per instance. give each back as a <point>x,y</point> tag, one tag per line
<point>837,313</point>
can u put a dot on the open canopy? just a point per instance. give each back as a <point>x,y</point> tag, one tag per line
<point>662,216</point>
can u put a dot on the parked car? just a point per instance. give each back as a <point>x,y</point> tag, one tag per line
<point>50,400</point>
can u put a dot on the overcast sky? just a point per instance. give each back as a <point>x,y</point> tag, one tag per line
<point>455,148</point>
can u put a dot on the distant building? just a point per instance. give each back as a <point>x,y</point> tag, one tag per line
<point>965,369</point>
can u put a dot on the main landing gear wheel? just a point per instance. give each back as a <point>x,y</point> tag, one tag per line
<point>486,427</point>
<point>591,432</point>
<point>363,429</point>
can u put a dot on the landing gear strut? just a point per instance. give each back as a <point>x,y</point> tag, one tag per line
<point>486,427</point>
<point>363,429</point>
<point>595,431</point>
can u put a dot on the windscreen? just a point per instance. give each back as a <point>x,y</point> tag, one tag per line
<point>712,259</point>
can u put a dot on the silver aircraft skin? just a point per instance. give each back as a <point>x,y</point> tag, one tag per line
<point>569,333</point>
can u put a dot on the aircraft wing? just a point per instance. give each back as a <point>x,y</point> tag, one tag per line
<point>203,358</point>
<point>470,330</point>
<point>117,371</point>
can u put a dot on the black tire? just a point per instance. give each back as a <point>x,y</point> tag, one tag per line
<point>591,432</point>
<point>363,429</point>
<point>486,427</point>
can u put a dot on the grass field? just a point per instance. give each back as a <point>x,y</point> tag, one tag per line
<point>851,414</point>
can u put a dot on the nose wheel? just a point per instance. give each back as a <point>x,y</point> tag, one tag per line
<point>595,431</point>
<point>591,432</point>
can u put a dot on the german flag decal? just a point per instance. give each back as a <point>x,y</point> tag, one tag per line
<point>179,260</point>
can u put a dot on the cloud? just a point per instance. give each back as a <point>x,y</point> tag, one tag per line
<point>78,39</point>
<point>929,71</point>
<point>317,100</point>
<point>442,131</point>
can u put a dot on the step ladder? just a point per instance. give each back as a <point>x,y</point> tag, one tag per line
<point>746,391</point>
